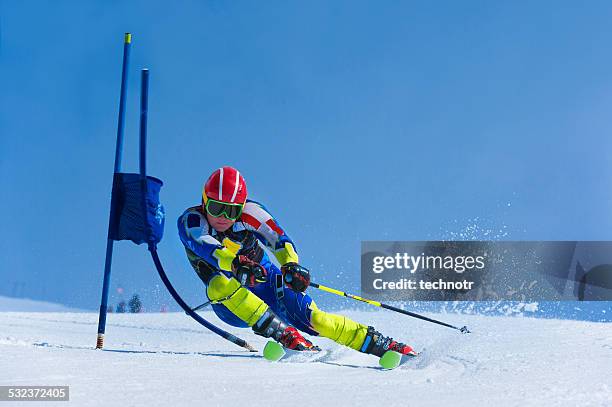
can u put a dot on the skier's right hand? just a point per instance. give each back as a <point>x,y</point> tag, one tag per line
<point>248,272</point>
<point>296,277</point>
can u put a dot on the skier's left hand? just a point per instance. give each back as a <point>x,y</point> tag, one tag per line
<point>296,277</point>
<point>248,272</point>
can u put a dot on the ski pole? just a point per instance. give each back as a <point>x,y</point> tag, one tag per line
<point>199,307</point>
<point>463,329</point>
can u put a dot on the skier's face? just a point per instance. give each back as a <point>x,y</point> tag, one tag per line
<point>220,224</point>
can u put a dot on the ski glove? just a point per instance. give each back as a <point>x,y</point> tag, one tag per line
<point>248,272</point>
<point>296,277</point>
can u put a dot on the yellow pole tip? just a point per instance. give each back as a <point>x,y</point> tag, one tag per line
<point>128,38</point>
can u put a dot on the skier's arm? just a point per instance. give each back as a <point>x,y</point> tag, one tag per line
<point>193,231</point>
<point>256,217</point>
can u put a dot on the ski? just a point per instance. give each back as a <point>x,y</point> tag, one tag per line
<point>390,360</point>
<point>274,351</point>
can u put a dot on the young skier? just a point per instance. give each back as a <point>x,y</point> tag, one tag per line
<point>223,238</point>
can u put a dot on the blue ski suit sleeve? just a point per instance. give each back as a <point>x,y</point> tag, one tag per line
<point>194,233</point>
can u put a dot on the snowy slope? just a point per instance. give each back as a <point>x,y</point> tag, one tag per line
<point>167,359</point>
<point>27,305</point>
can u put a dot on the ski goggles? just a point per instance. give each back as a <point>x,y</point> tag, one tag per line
<point>217,209</point>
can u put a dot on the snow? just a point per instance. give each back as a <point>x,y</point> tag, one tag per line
<point>167,359</point>
<point>27,305</point>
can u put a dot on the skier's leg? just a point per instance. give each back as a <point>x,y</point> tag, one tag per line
<point>338,328</point>
<point>347,332</point>
<point>206,273</point>
<point>301,311</point>
<point>237,299</point>
<point>251,309</point>
<point>240,307</point>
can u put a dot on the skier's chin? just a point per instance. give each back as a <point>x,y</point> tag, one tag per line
<point>220,224</point>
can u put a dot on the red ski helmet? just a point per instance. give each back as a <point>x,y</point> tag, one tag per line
<point>226,185</point>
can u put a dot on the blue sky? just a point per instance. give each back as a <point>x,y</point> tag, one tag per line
<point>350,121</point>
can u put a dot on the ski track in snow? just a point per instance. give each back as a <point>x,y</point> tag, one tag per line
<point>167,359</point>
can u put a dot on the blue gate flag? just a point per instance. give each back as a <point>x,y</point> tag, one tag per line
<point>136,212</point>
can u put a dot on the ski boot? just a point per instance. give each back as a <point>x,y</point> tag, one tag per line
<point>390,352</point>
<point>287,337</point>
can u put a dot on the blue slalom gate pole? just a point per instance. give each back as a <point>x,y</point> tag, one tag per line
<point>136,213</point>
<point>118,155</point>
